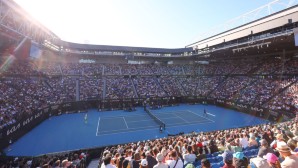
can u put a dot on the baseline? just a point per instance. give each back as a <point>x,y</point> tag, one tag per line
<point>129,130</point>
<point>125,122</point>
<point>97,126</point>
<point>211,114</point>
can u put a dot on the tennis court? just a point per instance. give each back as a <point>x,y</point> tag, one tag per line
<point>112,125</point>
<point>71,132</point>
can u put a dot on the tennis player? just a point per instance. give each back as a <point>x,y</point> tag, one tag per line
<point>205,112</point>
<point>86,118</point>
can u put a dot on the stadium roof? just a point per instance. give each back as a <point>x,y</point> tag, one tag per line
<point>122,48</point>
<point>256,26</point>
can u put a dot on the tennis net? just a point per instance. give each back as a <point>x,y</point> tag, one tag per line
<point>157,120</point>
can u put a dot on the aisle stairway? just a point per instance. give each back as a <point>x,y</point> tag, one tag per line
<point>93,163</point>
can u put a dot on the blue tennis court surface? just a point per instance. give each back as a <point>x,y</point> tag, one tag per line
<point>70,132</point>
<point>106,125</point>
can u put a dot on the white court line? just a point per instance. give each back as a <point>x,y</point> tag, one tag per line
<point>200,116</point>
<point>142,127</point>
<point>188,124</point>
<point>149,128</point>
<point>211,114</point>
<point>130,128</point>
<point>97,126</point>
<point>107,117</point>
<point>125,122</point>
<point>179,111</point>
<point>136,115</point>
<point>168,117</point>
<point>168,126</point>
<point>112,117</point>
<point>149,120</point>
<point>127,125</point>
<point>175,112</point>
<point>117,130</point>
<point>181,118</point>
<point>138,121</point>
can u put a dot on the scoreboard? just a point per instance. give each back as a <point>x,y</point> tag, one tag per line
<point>35,50</point>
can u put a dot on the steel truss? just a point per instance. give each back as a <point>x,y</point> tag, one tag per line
<point>15,21</point>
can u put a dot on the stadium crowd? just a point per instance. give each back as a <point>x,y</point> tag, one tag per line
<point>76,159</point>
<point>91,89</point>
<point>261,146</point>
<point>29,86</point>
<point>26,87</point>
<point>119,88</point>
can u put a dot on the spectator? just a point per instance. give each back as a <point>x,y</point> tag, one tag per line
<point>46,166</point>
<point>264,149</point>
<point>77,161</point>
<point>252,142</point>
<point>259,162</point>
<point>136,160</point>
<point>128,155</point>
<point>221,146</point>
<point>178,152</point>
<point>119,161</point>
<point>213,147</point>
<point>239,161</point>
<point>125,164</point>
<point>144,163</point>
<point>205,163</point>
<point>293,145</point>
<point>288,135</point>
<point>290,160</point>
<point>189,157</point>
<point>279,140</point>
<point>57,164</point>
<point>164,153</point>
<point>160,164</point>
<point>228,159</point>
<point>174,161</point>
<point>151,160</point>
<point>272,160</point>
<point>243,141</point>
